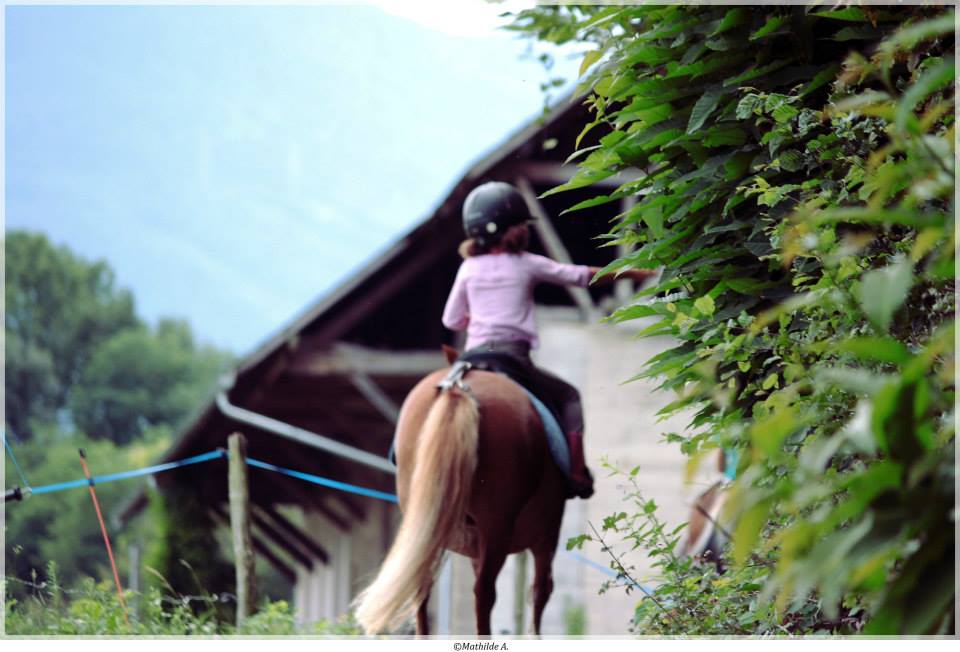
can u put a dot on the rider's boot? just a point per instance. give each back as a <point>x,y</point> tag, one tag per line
<point>580,483</point>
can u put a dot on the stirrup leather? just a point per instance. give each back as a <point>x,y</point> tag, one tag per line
<point>454,377</point>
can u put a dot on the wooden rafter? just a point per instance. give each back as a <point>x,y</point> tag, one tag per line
<point>376,396</point>
<point>552,173</point>
<point>282,540</point>
<point>281,566</point>
<point>297,532</point>
<point>344,358</point>
<point>554,245</point>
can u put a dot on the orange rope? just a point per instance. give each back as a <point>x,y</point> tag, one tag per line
<point>106,539</point>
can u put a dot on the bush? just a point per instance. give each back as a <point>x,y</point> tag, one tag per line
<point>799,199</point>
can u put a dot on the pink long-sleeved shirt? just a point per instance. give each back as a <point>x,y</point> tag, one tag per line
<point>492,296</point>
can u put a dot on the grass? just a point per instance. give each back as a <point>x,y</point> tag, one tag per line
<point>92,609</point>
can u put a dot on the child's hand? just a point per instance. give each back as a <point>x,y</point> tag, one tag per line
<point>639,275</point>
<point>636,275</point>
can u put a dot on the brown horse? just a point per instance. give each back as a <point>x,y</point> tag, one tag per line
<point>474,476</point>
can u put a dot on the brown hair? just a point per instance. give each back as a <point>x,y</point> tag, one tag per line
<point>515,240</point>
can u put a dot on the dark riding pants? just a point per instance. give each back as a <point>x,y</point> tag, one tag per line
<point>513,358</point>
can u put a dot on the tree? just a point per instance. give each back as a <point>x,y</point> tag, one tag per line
<point>799,200</point>
<point>59,308</point>
<point>32,389</point>
<point>141,378</point>
<point>78,357</point>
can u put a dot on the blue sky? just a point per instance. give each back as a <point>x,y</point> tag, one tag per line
<point>234,163</point>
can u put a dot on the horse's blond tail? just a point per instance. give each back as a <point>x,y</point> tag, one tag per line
<point>444,465</point>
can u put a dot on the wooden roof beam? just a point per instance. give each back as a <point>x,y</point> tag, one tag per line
<point>219,516</point>
<point>552,173</point>
<point>282,540</point>
<point>297,533</point>
<point>554,246</point>
<point>344,358</point>
<point>376,396</point>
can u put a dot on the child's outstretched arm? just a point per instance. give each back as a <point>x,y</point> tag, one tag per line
<point>637,275</point>
<point>550,271</point>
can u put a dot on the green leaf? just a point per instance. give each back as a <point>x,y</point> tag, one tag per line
<point>705,305</point>
<point>938,77</point>
<point>925,241</point>
<point>650,55</point>
<point>870,215</point>
<point>858,432</point>
<point>578,541</point>
<point>768,433</point>
<point>853,14</point>
<point>749,286</point>
<point>908,37</point>
<point>722,135</point>
<point>589,59</point>
<point>748,530</point>
<point>784,112</point>
<point>773,24</point>
<point>582,179</point>
<point>791,160</point>
<point>823,77</point>
<point>703,108</point>
<point>857,381</point>
<point>881,349</point>
<point>756,71</point>
<point>865,32</point>
<point>733,18</point>
<point>882,291</point>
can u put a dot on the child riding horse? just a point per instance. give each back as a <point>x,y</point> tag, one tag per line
<point>492,299</point>
<point>474,474</point>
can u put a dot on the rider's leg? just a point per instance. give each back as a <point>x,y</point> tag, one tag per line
<point>569,409</point>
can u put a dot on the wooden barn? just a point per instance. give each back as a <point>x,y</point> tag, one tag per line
<point>322,395</point>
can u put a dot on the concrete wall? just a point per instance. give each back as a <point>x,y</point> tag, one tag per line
<point>325,591</point>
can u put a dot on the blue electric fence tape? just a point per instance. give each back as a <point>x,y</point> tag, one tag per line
<point>101,479</point>
<point>315,479</point>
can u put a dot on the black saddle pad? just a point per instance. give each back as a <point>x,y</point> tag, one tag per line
<point>504,363</point>
<point>515,369</point>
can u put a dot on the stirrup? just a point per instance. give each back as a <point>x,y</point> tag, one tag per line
<point>454,377</point>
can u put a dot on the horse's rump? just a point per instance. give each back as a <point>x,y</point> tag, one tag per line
<point>490,433</point>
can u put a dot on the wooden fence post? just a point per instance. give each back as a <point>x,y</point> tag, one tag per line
<point>240,525</point>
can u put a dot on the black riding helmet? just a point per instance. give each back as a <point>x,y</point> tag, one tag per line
<point>492,208</point>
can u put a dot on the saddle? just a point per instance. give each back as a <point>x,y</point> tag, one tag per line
<point>509,366</point>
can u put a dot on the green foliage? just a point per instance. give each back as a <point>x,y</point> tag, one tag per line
<point>574,618</point>
<point>141,378</point>
<point>58,309</point>
<point>799,200</point>
<point>93,609</point>
<point>184,532</point>
<point>63,526</point>
<point>77,353</point>
<point>692,597</point>
<point>78,357</point>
